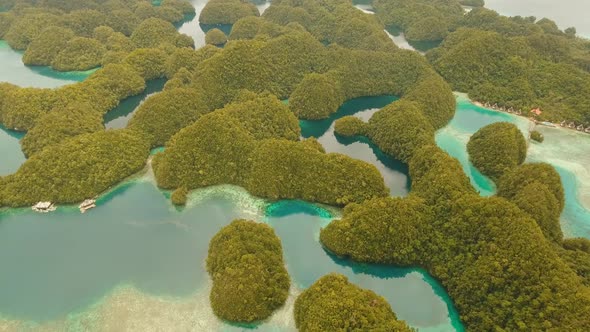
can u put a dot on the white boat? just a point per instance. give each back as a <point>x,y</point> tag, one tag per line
<point>580,128</point>
<point>87,205</point>
<point>44,207</point>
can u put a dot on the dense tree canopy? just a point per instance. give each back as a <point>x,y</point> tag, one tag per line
<point>497,148</point>
<point>76,169</point>
<point>241,144</point>
<point>79,54</point>
<point>215,37</point>
<point>227,11</point>
<point>45,47</point>
<point>59,124</point>
<point>332,303</point>
<point>250,280</point>
<point>164,114</point>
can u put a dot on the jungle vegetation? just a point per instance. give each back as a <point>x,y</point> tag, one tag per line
<point>215,37</point>
<point>75,169</point>
<point>497,148</point>
<point>502,259</point>
<point>332,303</point>
<point>227,11</point>
<point>250,280</point>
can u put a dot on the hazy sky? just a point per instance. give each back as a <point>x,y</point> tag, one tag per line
<point>565,13</point>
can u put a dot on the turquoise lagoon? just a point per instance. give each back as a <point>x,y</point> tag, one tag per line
<point>137,261</point>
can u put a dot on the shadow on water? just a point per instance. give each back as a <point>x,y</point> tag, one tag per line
<point>317,128</point>
<point>120,115</point>
<point>421,46</point>
<point>394,172</point>
<point>226,28</point>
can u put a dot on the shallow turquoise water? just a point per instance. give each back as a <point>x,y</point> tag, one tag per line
<point>453,138</point>
<point>568,151</point>
<point>12,70</point>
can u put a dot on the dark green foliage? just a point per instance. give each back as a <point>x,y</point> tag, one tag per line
<point>150,63</point>
<point>79,54</point>
<point>577,260</point>
<point>235,146</point>
<point>290,170</point>
<point>76,169</point>
<point>59,124</point>
<point>350,126</point>
<point>515,63</point>
<point>399,129</point>
<point>422,20</point>
<point>103,90</point>
<point>6,20</point>
<point>179,196</point>
<point>497,148</point>
<point>83,22</point>
<point>153,32</point>
<point>516,180</point>
<point>227,11</point>
<point>215,37</point>
<point>164,114</point>
<point>25,28</point>
<point>437,177</point>
<point>537,136</point>
<point>539,202</point>
<point>332,22</point>
<point>472,3</point>
<point>250,280</point>
<point>382,230</point>
<point>45,47</point>
<point>486,252</point>
<point>251,26</point>
<point>581,244</point>
<point>188,58</point>
<point>316,97</point>
<point>276,65</point>
<point>332,303</point>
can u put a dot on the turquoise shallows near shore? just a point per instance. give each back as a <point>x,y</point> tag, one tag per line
<point>567,150</point>
<point>12,70</point>
<point>135,252</point>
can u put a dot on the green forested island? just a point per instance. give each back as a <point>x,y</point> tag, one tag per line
<point>232,112</point>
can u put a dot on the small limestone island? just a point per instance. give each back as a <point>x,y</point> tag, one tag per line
<point>240,89</point>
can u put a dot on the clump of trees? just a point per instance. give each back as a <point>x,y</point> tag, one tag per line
<point>332,303</point>
<point>164,114</point>
<point>75,169</point>
<point>22,107</point>
<point>421,20</point>
<point>332,22</point>
<point>250,280</point>
<point>179,196</point>
<point>91,33</point>
<point>537,136</point>
<point>497,148</point>
<point>59,124</point>
<point>242,145</point>
<point>316,97</point>
<point>517,62</point>
<point>215,37</point>
<point>350,126</point>
<point>45,47</point>
<point>79,54</point>
<point>227,11</point>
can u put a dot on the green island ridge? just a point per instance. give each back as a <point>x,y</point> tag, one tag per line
<point>332,303</point>
<point>250,280</point>
<point>497,148</point>
<point>234,115</point>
